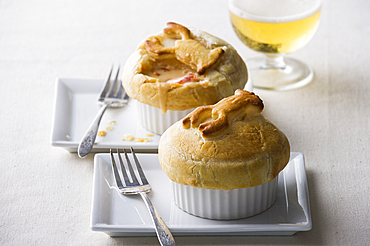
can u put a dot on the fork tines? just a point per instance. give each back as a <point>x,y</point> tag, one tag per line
<point>112,89</point>
<point>130,177</point>
<point>134,187</point>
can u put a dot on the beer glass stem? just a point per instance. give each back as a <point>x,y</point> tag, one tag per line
<point>274,61</point>
<point>277,72</point>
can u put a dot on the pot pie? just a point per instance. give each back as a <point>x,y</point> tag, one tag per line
<point>226,151</point>
<point>182,68</point>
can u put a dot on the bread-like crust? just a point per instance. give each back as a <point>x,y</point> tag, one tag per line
<point>234,108</point>
<point>218,68</point>
<point>251,152</point>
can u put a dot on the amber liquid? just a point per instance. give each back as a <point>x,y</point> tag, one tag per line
<point>279,37</point>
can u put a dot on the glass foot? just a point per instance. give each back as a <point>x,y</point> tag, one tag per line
<point>288,74</point>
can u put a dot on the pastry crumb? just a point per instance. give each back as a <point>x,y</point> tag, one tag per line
<point>112,122</point>
<point>142,140</point>
<point>149,135</point>
<point>102,133</point>
<point>109,128</point>
<point>129,137</point>
<point>68,137</point>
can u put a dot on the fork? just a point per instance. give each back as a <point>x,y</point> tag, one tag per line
<point>115,97</point>
<point>139,185</point>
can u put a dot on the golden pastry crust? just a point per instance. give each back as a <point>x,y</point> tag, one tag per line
<point>224,113</point>
<point>251,152</point>
<point>209,69</point>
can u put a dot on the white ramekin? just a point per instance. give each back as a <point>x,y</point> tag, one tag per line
<point>225,204</point>
<point>152,118</point>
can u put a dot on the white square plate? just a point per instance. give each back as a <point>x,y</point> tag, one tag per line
<point>119,215</point>
<point>75,107</point>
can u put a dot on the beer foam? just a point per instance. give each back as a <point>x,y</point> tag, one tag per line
<point>272,11</point>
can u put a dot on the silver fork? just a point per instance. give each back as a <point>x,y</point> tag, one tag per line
<point>115,97</point>
<point>140,185</point>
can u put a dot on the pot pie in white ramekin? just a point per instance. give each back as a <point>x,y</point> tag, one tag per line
<point>179,69</point>
<point>224,159</point>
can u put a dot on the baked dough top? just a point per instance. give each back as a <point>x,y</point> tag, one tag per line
<point>183,68</point>
<point>229,145</point>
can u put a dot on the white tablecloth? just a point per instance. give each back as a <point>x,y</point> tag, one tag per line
<point>46,192</point>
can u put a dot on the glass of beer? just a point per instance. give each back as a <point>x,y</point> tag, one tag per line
<point>275,28</point>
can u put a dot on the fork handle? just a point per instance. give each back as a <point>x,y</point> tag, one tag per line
<point>163,233</point>
<point>88,139</point>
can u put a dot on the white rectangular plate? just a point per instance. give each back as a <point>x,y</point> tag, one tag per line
<point>119,215</point>
<point>75,107</point>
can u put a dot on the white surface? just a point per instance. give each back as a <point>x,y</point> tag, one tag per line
<point>119,215</point>
<point>152,118</point>
<point>76,106</point>
<point>224,204</point>
<point>45,191</point>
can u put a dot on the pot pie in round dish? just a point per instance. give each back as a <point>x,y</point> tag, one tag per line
<point>178,70</point>
<point>228,155</point>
